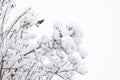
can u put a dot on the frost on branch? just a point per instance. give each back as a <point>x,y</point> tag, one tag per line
<point>19,60</point>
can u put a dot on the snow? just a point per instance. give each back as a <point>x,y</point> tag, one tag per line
<point>49,56</point>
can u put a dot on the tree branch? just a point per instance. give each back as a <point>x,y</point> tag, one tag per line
<point>13,23</point>
<point>3,21</point>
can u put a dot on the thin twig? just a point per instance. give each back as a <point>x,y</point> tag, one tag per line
<point>3,21</point>
<point>29,71</point>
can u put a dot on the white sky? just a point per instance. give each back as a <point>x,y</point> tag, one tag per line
<point>100,22</point>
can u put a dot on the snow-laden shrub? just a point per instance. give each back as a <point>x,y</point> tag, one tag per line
<point>19,60</point>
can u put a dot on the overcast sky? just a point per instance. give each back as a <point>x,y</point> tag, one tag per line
<point>100,22</point>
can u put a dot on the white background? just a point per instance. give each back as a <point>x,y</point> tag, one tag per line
<point>100,22</point>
